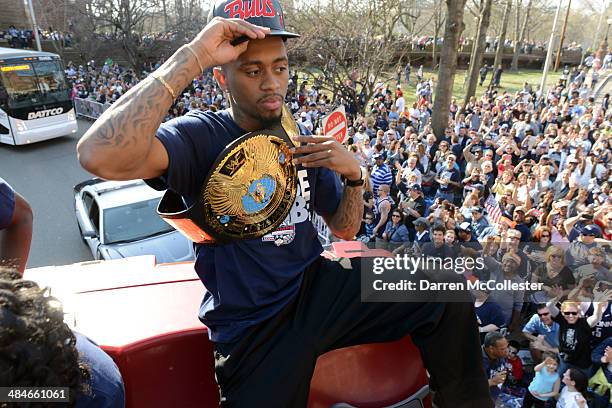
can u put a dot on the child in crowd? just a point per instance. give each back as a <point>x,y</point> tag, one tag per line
<point>545,384</point>
<point>573,394</point>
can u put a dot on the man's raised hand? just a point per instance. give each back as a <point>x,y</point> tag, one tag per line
<point>212,44</point>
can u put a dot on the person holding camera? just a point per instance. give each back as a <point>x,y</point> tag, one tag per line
<point>494,354</point>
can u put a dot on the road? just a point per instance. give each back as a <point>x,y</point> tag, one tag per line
<point>44,173</point>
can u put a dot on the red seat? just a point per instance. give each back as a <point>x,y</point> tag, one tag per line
<point>145,317</point>
<point>370,375</point>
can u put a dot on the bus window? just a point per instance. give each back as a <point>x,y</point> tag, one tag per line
<point>50,76</point>
<point>37,82</point>
<point>20,83</point>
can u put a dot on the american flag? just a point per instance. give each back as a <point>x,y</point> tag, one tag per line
<point>492,207</point>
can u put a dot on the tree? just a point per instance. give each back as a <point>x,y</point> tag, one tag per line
<point>438,23</point>
<point>125,19</point>
<point>448,64</point>
<point>478,49</point>
<point>127,23</point>
<point>518,44</point>
<point>499,53</point>
<point>51,17</point>
<point>349,49</point>
<point>411,17</point>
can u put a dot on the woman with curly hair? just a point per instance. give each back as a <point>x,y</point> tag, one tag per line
<point>37,349</point>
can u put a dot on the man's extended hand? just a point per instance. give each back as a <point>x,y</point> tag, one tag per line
<point>497,379</point>
<point>212,44</point>
<point>325,151</point>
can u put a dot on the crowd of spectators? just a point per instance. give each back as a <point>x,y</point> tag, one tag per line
<point>106,82</point>
<point>24,37</point>
<point>522,180</point>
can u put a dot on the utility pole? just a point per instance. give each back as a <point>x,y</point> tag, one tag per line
<point>549,52</point>
<point>34,25</point>
<point>558,60</point>
<point>601,16</point>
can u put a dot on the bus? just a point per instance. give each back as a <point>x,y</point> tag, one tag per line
<point>35,102</point>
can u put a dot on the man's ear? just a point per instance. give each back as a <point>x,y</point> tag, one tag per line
<point>219,75</point>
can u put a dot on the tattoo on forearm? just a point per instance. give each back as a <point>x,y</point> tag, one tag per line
<point>132,121</point>
<point>348,214</point>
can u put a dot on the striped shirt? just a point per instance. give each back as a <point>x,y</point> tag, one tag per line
<point>380,175</point>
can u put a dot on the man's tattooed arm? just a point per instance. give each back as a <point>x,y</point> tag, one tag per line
<point>121,144</point>
<point>346,220</point>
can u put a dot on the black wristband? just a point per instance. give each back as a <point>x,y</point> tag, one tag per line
<point>354,183</point>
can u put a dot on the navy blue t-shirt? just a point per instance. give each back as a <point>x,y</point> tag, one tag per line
<point>247,281</point>
<point>7,204</point>
<point>489,313</point>
<point>452,175</point>
<point>492,368</point>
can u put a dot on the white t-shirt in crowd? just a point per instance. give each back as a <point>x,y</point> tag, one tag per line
<point>567,399</point>
<point>400,104</point>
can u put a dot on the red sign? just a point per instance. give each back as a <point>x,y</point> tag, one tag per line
<point>334,125</point>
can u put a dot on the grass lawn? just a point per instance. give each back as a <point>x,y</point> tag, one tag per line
<point>510,82</point>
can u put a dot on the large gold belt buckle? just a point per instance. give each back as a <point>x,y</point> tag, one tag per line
<point>248,192</point>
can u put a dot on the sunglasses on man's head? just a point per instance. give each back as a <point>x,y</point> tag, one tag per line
<point>543,314</point>
<point>570,313</point>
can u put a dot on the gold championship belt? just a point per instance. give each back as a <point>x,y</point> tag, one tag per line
<point>247,193</point>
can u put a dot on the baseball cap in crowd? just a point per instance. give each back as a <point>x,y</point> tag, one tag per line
<point>563,203</point>
<point>415,187</point>
<point>520,209</point>
<point>591,230</point>
<point>303,114</point>
<point>421,221</point>
<point>465,227</point>
<point>477,209</point>
<point>378,156</point>
<point>265,13</point>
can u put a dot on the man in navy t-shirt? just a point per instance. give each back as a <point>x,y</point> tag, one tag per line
<point>448,179</point>
<point>273,304</point>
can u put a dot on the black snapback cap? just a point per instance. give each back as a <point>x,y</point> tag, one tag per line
<point>265,13</point>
